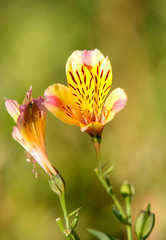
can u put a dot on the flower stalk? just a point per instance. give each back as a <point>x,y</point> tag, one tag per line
<point>57,185</point>
<point>127,190</point>
<point>63,205</point>
<point>105,181</point>
<point>128,213</point>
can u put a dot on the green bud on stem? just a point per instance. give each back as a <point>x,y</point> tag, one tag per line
<point>127,190</point>
<point>144,223</point>
<point>57,184</point>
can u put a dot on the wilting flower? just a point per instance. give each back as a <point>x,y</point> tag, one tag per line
<point>82,103</point>
<point>30,130</point>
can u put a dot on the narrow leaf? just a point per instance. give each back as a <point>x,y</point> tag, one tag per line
<point>101,235</point>
<point>74,212</point>
<point>109,170</point>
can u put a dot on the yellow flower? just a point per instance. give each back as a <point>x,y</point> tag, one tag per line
<point>30,130</point>
<point>83,102</point>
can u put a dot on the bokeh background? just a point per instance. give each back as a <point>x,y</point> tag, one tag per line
<point>36,38</point>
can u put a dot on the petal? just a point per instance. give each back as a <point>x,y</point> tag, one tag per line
<point>114,103</point>
<point>31,121</point>
<point>30,132</point>
<point>89,77</point>
<point>60,102</point>
<point>94,129</point>
<point>18,137</point>
<point>102,73</point>
<point>36,153</point>
<point>80,79</point>
<point>87,58</point>
<point>28,96</point>
<point>12,107</point>
<point>81,84</point>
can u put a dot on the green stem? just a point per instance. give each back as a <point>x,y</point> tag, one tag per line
<point>103,180</point>
<point>63,205</point>
<point>97,148</point>
<point>69,234</point>
<point>111,194</point>
<point>128,212</point>
<point>74,235</point>
<point>57,185</point>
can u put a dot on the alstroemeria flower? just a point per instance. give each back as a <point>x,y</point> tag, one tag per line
<point>30,130</point>
<point>83,102</point>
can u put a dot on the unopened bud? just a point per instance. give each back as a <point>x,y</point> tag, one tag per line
<point>127,189</point>
<point>57,184</point>
<point>144,223</point>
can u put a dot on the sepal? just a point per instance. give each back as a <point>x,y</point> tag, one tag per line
<point>57,184</point>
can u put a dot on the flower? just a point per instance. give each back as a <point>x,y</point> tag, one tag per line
<point>30,130</point>
<point>82,103</point>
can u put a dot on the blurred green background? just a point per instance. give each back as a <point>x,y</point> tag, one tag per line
<point>36,38</point>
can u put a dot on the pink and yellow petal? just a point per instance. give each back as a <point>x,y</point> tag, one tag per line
<point>60,102</point>
<point>80,78</point>
<point>12,107</point>
<point>86,58</point>
<point>31,121</point>
<point>114,103</point>
<point>28,96</point>
<point>30,132</point>
<point>36,152</point>
<point>81,84</point>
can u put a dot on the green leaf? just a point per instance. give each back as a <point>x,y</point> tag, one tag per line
<point>74,222</point>
<point>118,215</point>
<point>74,212</point>
<point>109,170</point>
<point>101,235</point>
